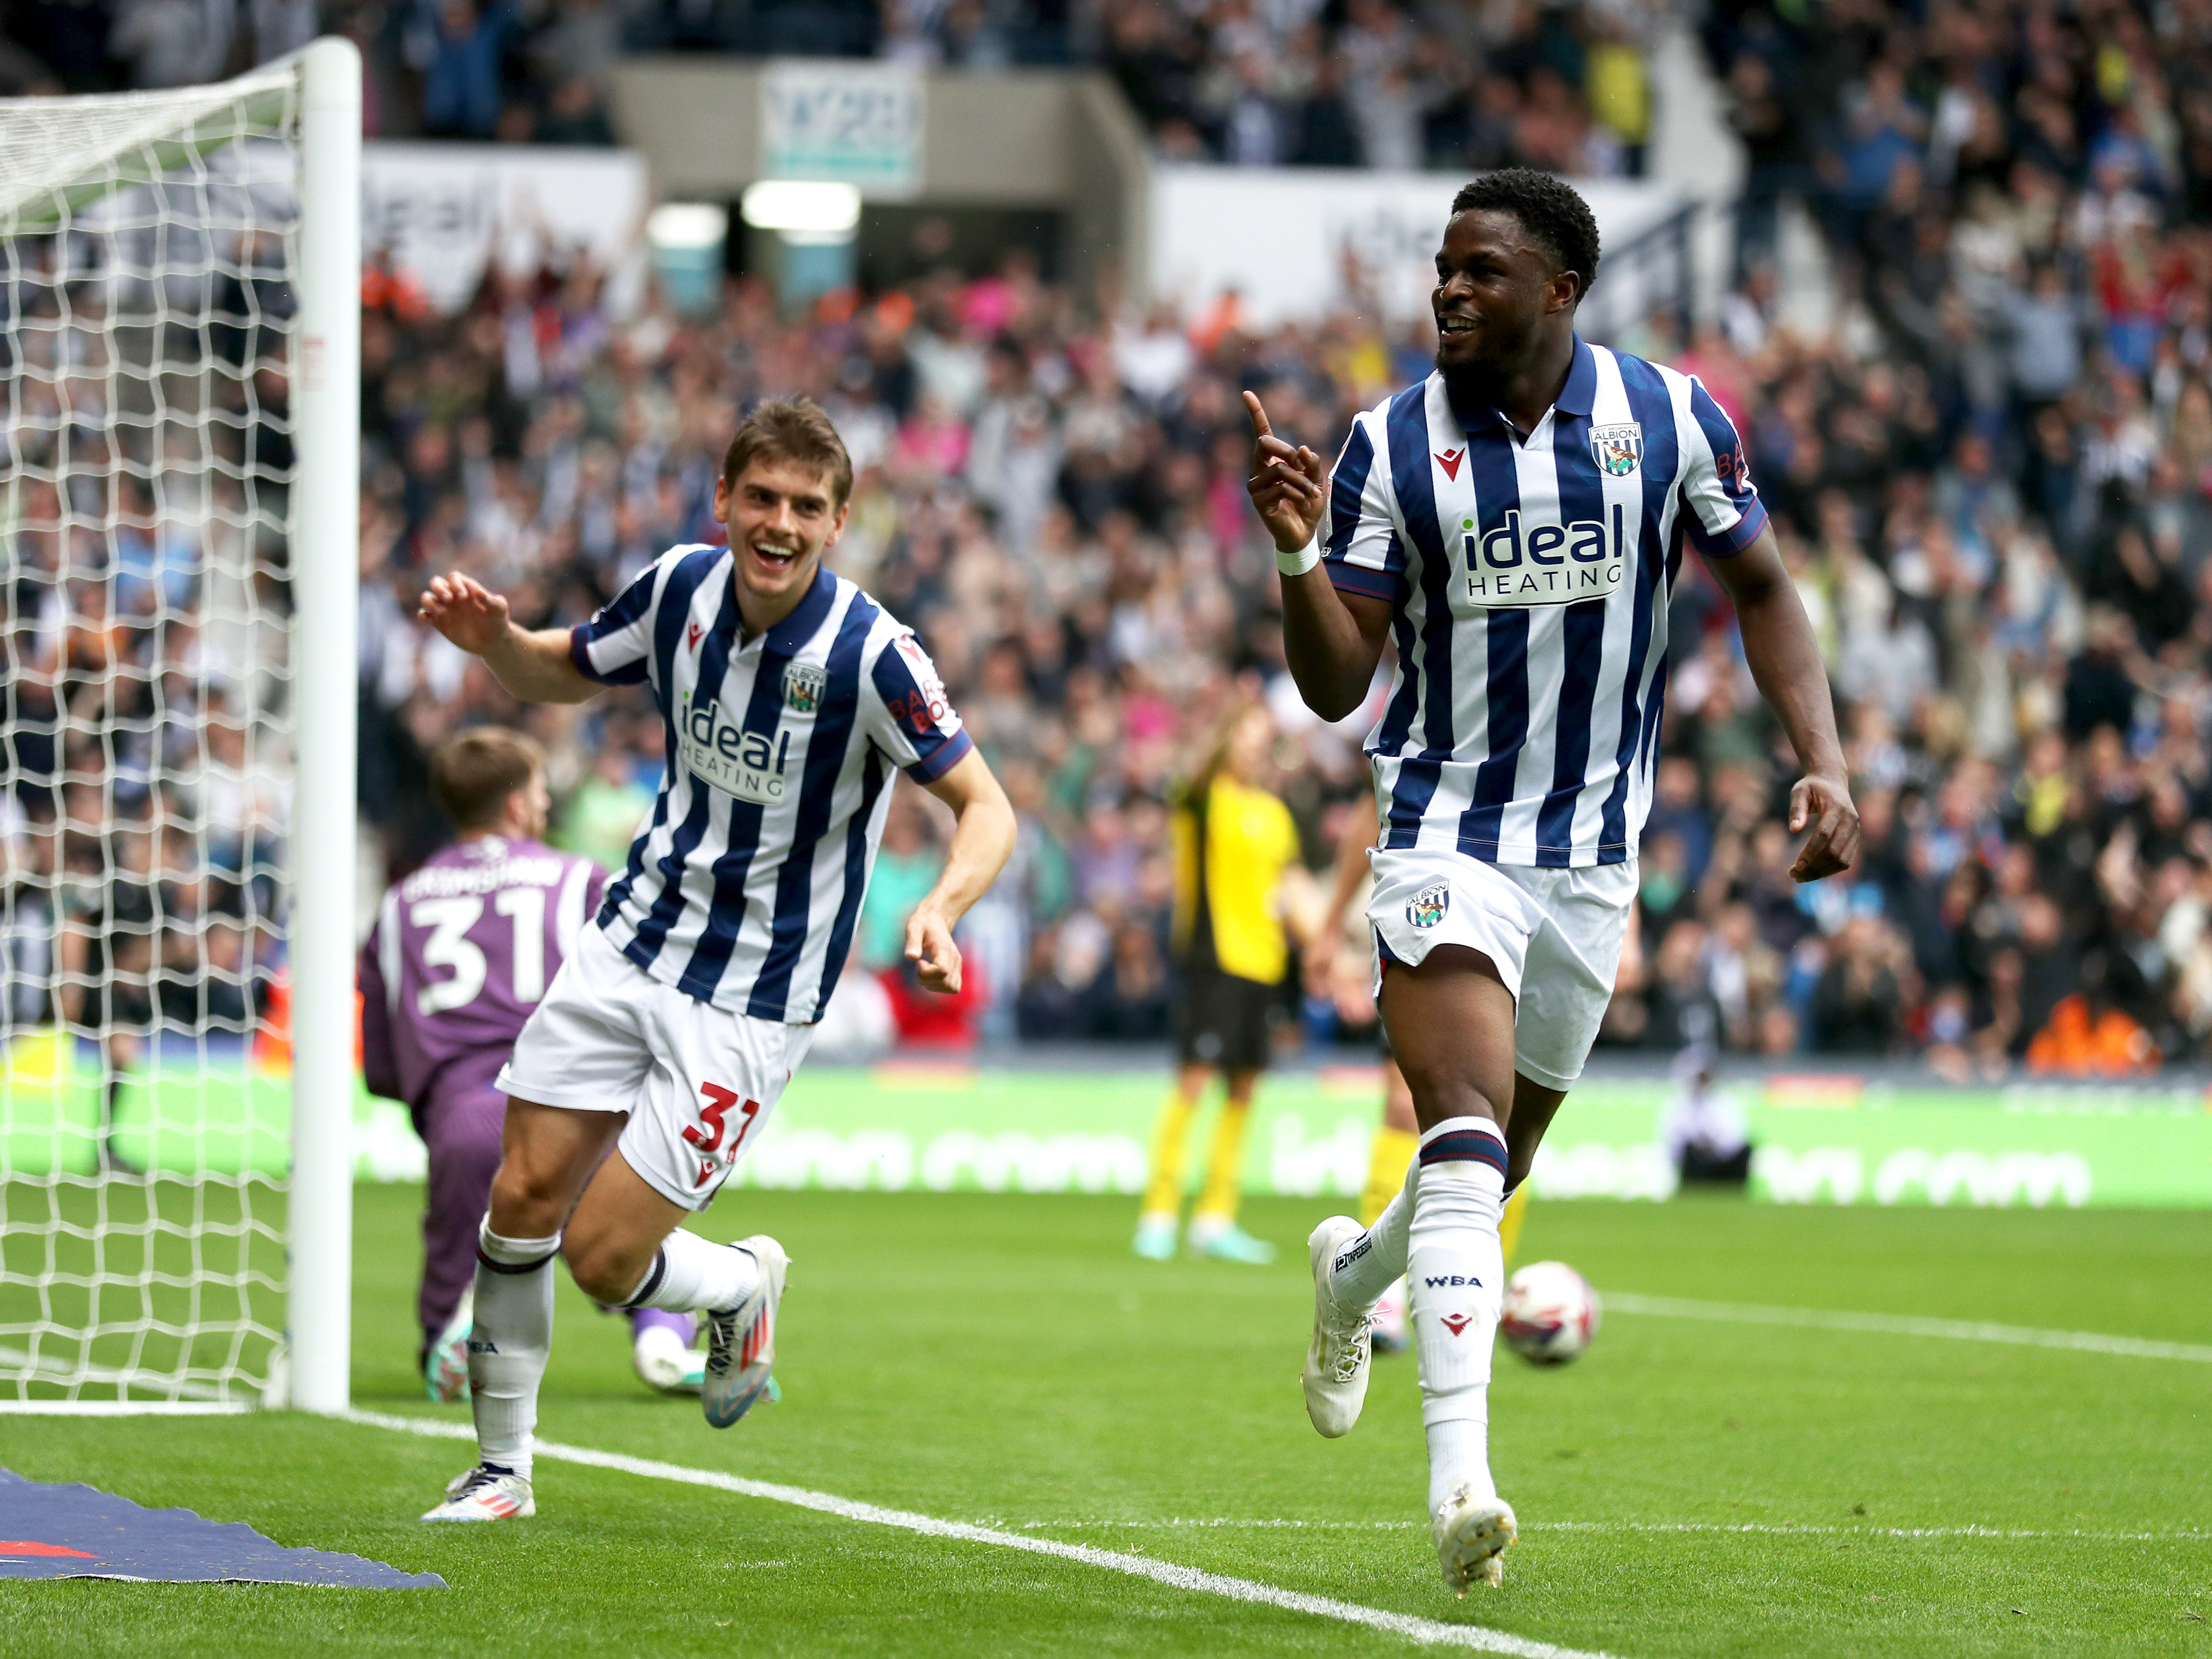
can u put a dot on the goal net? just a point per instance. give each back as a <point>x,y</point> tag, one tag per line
<point>151,648</point>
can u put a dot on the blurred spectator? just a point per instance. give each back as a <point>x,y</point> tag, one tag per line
<point>1991,479</point>
<point>1704,1130</point>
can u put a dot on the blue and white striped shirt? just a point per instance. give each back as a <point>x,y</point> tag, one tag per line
<point>1528,581</point>
<point>743,886</point>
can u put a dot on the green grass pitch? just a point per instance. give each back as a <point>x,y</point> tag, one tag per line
<point>1006,1360</point>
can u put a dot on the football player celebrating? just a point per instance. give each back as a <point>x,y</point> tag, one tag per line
<point>1514,522</point>
<point>669,1033</point>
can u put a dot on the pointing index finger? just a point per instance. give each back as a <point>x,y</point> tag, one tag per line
<point>1259,414</point>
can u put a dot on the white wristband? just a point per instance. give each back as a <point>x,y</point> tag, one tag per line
<point>1297,563</point>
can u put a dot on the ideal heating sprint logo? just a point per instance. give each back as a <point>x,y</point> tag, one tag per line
<point>750,765</point>
<point>1546,563</point>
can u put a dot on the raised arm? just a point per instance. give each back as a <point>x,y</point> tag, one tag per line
<point>1331,641</point>
<point>1778,642</point>
<point>982,842</point>
<point>533,665</point>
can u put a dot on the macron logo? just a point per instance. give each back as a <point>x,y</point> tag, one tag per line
<point>1456,1323</point>
<point>1450,460</point>
<point>693,641</point>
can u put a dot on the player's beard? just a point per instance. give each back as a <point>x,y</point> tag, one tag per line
<point>1481,384</point>
<point>1474,388</point>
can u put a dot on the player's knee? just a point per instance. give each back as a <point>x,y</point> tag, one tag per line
<point>604,1270</point>
<point>524,1206</point>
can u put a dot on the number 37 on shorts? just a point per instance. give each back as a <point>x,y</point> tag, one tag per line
<point>707,1136</point>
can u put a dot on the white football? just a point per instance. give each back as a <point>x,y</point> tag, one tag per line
<point>1551,1313</point>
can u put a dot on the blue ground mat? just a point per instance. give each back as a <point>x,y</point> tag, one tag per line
<point>76,1532</point>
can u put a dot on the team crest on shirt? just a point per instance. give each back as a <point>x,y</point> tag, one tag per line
<point>802,686</point>
<point>1618,449</point>
<point>1429,905</point>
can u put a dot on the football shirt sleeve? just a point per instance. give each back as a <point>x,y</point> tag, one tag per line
<point>907,714</point>
<point>615,646</point>
<point>1360,545</point>
<point>1721,513</point>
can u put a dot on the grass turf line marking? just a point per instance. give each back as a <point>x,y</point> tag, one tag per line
<point>1776,1527</point>
<point>122,1409</point>
<point>1433,1632</point>
<point>1961,1330</point>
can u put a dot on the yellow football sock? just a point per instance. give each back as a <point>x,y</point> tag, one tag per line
<point>1508,1225</point>
<point>1164,1196</point>
<point>1225,1162</point>
<point>1386,1170</point>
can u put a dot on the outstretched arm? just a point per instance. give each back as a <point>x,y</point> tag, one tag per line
<point>533,665</point>
<point>1778,642</point>
<point>1331,641</point>
<point>982,842</point>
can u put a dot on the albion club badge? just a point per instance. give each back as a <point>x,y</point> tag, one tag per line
<point>802,686</point>
<point>1429,905</point>
<point>1618,449</point>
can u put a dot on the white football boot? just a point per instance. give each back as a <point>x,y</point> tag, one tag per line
<point>483,1494</point>
<point>1470,1533</point>
<point>741,1340</point>
<point>1335,1375</point>
<point>663,1363</point>
<point>446,1366</point>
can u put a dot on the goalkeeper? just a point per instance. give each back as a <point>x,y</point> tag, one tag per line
<point>461,952</point>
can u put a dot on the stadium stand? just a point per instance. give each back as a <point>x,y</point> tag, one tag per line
<point>1992,479</point>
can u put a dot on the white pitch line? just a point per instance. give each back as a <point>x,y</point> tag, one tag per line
<point>1776,1528</point>
<point>122,1409</point>
<point>1961,1330</point>
<point>1432,1632</point>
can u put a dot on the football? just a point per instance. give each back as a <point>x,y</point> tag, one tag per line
<point>1551,1313</point>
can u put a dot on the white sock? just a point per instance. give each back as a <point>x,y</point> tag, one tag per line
<point>1457,1276</point>
<point>691,1275</point>
<point>509,1342</point>
<point>1375,1259</point>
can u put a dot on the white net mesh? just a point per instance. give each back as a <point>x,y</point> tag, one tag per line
<point>146,254</point>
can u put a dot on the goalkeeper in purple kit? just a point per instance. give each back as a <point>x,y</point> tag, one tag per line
<point>462,951</point>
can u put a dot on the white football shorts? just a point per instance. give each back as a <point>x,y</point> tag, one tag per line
<point>1554,935</point>
<point>699,1082</point>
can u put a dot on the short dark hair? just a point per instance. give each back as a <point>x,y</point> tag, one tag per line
<point>1549,209</point>
<point>473,772</point>
<point>791,430</point>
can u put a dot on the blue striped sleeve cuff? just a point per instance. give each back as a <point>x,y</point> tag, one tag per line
<point>1727,543</point>
<point>580,653</point>
<point>1351,578</point>
<point>941,759</point>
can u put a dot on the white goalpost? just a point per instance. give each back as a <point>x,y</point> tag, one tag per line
<point>179,364</point>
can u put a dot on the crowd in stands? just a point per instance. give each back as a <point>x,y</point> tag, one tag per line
<point>1994,484</point>
<point>2004,572</point>
<point>1992,478</point>
<point>1457,84</point>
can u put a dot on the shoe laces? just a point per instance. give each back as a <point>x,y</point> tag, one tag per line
<point>723,1337</point>
<point>479,1477</point>
<point>1352,1348</point>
